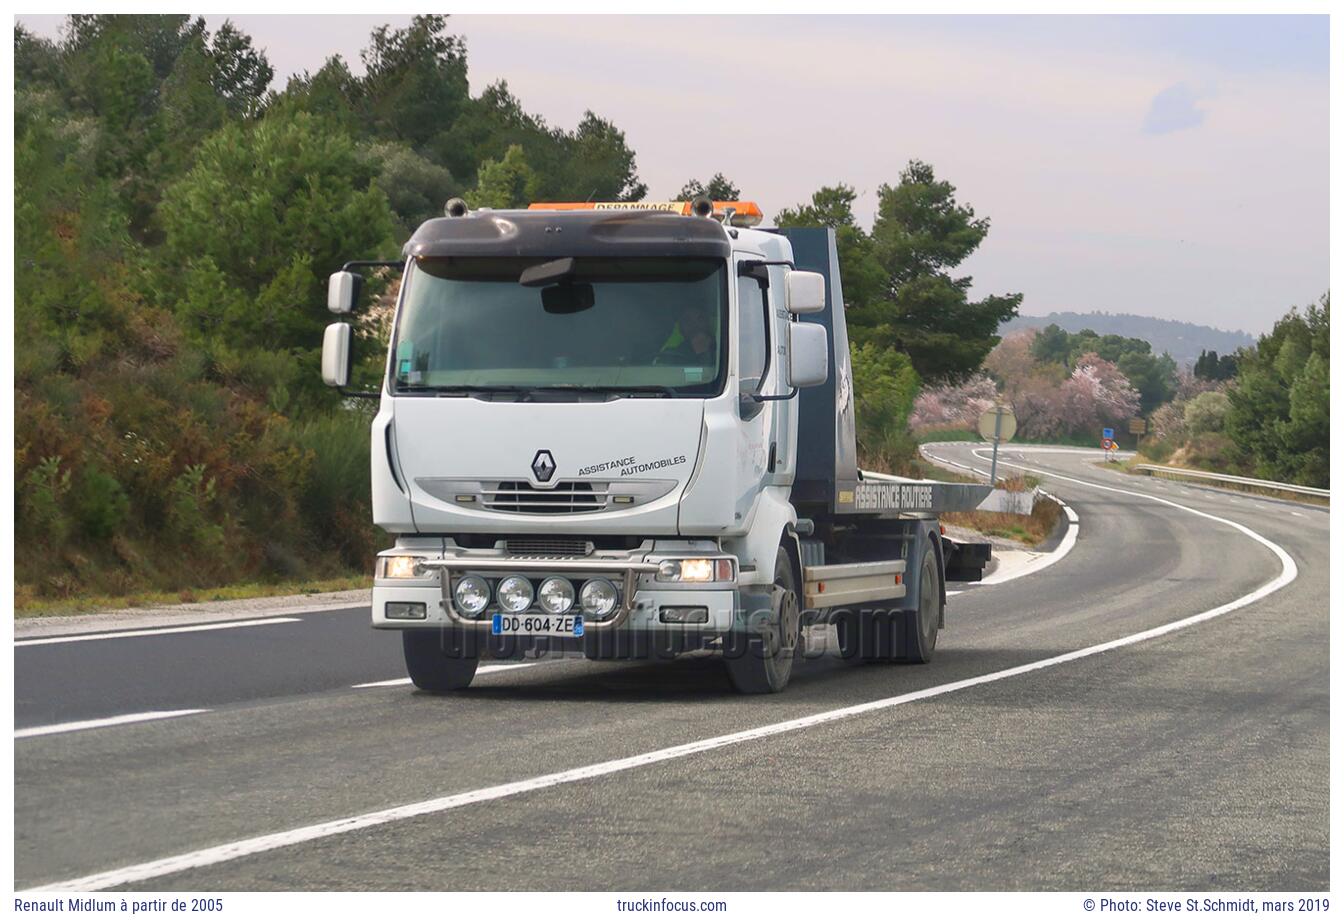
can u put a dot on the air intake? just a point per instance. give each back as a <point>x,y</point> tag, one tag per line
<point>566,498</point>
<point>543,546</point>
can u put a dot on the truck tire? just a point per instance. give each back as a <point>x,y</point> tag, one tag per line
<point>920,626</point>
<point>763,665</point>
<point>432,662</point>
<point>892,634</point>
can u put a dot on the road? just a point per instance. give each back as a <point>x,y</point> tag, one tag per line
<point>1190,759</point>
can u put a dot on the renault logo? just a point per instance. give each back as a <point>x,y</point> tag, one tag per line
<point>543,466</point>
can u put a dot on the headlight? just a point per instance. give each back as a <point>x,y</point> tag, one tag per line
<point>556,595</point>
<point>472,595</point>
<point>514,594</point>
<point>400,567</point>
<point>598,597</point>
<point>695,570</point>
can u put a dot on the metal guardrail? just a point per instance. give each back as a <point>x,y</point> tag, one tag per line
<point>1179,472</point>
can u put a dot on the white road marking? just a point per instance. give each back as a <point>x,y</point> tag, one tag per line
<point>1297,513</point>
<point>1048,559</point>
<point>483,669</point>
<point>64,727</point>
<point>1044,561</point>
<point>252,845</point>
<point>135,633</point>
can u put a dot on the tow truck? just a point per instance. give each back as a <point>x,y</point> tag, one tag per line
<point>627,430</point>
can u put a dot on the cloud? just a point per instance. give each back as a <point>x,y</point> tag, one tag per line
<point>1173,109</point>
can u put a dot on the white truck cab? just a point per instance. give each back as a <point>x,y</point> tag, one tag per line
<point>590,434</point>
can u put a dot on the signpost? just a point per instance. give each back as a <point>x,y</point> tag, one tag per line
<point>998,423</point>
<point>1138,427</point>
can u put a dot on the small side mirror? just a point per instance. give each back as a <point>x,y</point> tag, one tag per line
<point>336,355</point>
<point>809,354</point>
<point>342,292</point>
<point>807,292</point>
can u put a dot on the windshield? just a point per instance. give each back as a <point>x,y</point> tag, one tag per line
<point>652,326</point>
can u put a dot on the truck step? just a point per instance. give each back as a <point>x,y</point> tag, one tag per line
<point>853,583</point>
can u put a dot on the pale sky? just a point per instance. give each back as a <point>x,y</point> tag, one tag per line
<point>1172,166</point>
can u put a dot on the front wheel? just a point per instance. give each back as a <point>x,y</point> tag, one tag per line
<point>765,663</point>
<point>435,663</point>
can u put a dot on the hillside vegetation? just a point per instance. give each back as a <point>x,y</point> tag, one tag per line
<point>176,217</point>
<point>1183,341</point>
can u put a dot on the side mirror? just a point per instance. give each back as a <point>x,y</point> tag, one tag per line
<point>336,355</point>
<point>807,292</point>
<point>809,354</point>
<point>342,291</point>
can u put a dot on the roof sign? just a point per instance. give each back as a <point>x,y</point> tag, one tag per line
<point>744,213</point>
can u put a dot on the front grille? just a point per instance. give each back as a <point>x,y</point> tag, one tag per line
<point>566,498</point>
<point>541,546</point>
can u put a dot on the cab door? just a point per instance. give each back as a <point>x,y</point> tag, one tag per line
<point>755,373</point>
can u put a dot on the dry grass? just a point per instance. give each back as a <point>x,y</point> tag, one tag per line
<point>1031,529</point>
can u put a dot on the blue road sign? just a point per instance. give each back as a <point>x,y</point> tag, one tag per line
<point>1108,434</point>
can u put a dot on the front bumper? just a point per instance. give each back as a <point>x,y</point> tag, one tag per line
<point>644,614</point>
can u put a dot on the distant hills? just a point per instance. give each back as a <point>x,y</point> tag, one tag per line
<point>1183,341</point>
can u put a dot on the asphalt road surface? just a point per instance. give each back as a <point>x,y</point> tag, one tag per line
<point>1194,758</point>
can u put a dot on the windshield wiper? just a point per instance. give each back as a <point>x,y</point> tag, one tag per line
<point>618,391</point>
<point>456,388</point>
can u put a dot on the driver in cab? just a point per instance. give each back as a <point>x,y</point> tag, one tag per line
<point>692,340</point>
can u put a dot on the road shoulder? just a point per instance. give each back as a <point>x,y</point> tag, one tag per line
<point>166,616</point>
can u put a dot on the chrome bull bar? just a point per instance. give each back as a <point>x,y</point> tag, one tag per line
<point>626,571</point>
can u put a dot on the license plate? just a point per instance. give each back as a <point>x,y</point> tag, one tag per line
<point>536,624</point>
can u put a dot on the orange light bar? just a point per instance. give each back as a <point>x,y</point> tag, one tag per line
<point>745,213</point>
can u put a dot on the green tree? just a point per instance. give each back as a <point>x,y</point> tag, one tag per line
<point>862,278</point>
<point>1209,366</point>
<point>1279,412</point>
<point>269,211</point>
<point>885,387</point>
<point>415,85</point>
<point>718,188</point>
<point>504,183</point>
<point>598,164</point>
<point>922,233</point>
<point>415,187</point>
<point>1154,376</point>
<point>242,75</point>
<point>333,93</point>
<point>1053,345</point>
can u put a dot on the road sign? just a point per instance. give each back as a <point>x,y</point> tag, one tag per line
<point>1107,444</point>
<point>1108,433</point>
<point>998,423</point>
<point>1138,426</point>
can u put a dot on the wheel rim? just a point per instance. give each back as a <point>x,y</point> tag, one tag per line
<point>928,602</point>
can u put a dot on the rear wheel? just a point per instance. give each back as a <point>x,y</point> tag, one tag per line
<point>435,662</point>
<point>891,634</point>
<point>920,626</point>
<point>765,663</point>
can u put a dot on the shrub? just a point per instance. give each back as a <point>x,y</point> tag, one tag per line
<point>885,384</point>
<point>1205,413</point>
<point>189,499</point>
<point>42,503</point>
<point>101,504</point>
